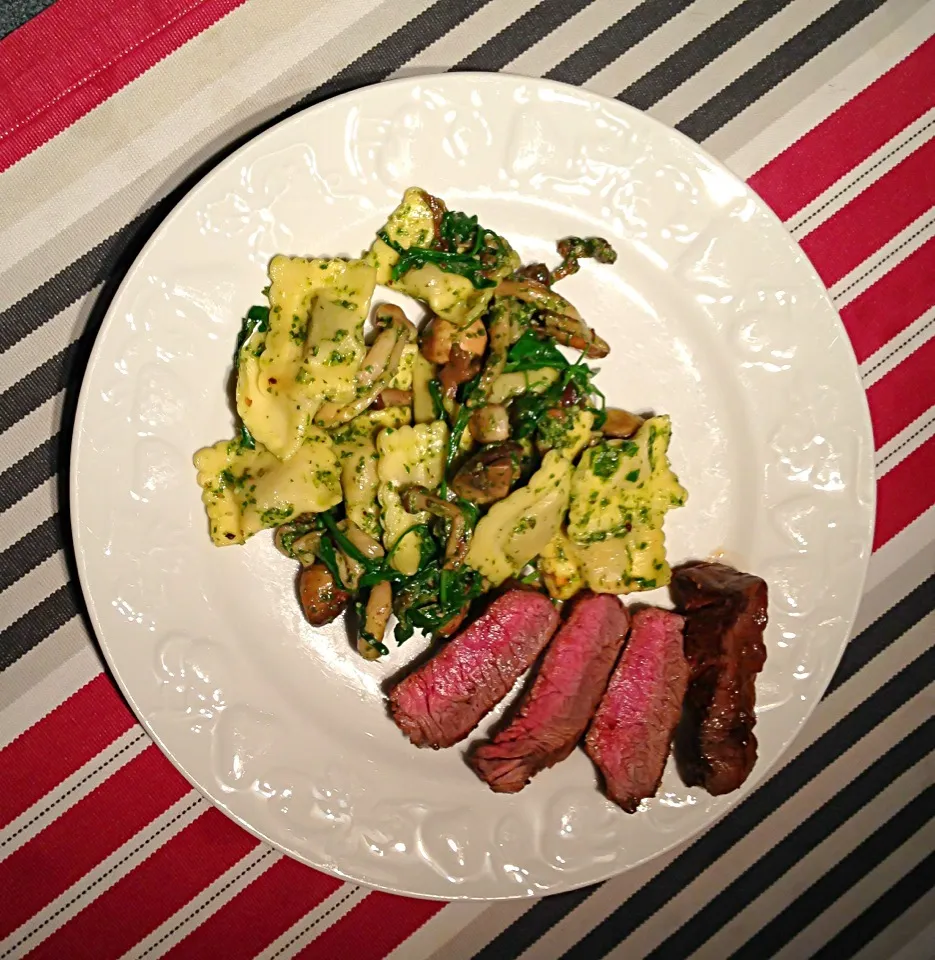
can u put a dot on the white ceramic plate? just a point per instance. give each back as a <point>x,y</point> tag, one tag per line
<point>714,316</point>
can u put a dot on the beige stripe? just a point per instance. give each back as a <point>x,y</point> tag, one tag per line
<point>33,350</point>
<point>573,34</point>
<point>26,434</point>
<point>194,127</point>
<point>474,937</point>
<point>895,351</point>
<point>658,46</point>
<point>750,848</point>
<point>22,595</point>
<point>814,863</point>
<point>26,514</point>
<point>906,442</point>
<point>115,140</point>
<point>723,70</point>
<point>609,896</point>
<point>911,937</point>
<point>821,103</point>
<point>810,77</point>
<point>45,677</point>
<point>439,931</point>
<point>863,894</point>
<point>917,538</point>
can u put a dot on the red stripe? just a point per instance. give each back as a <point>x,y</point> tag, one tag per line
<point>851,134</point>
<point>874,217</point>
<point>91,830</point>
<point>905,493</point>
<point>892,303</point>
<point>77,53</point>
<point>59,744</point>
<point>904,394</point>
<point>147,896</point>
<point>377,925</point>
<point>260,913</point>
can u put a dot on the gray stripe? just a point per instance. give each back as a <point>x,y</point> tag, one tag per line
<point>771,70</point>
<point>14,13</point>
<point>40,622</point>
<point>26,554</point>
<point>699,52</point>
<point>611,43</point>
<point>520,35</point>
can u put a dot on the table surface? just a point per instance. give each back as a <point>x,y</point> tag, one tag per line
<point>109,109</point>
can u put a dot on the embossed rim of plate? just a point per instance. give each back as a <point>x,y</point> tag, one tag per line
<point>862,480</point>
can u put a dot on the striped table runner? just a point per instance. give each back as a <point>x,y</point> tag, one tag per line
<point>109,109</point>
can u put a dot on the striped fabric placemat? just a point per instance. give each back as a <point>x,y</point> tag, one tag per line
<point>109,111</point>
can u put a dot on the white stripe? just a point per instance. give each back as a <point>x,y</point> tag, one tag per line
<point>776,825</point>
<point>863,894</point>
<point>46,677</point>
<point>315,922</point>
<point>72,789</point>
<point>917,538</point>
<point>813,864</point>
<point>857,179</point>
<point>883,259</point>
<point>28,512</point>
<point>208,901</point>
<point>441,931</point>
<point>104,875</point>
<point>660,44</point>
<point>736,60</point>
<point>892,353</point>
<point>906,442</point>
<point>856,77</point>
<point>28,432</point>
<point>30,590</point>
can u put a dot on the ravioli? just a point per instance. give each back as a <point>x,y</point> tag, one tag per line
<point>520,527</point>
<point>310,351</point>
<point>449,295</point>
<point>247,490</point>
<point>408,456</point>
<point>620,493</point>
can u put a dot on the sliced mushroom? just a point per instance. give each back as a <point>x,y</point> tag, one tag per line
<point>574,332</point>
<point>620,423</point>
<point>573,249</point>
<point>441,335</point>
<point>450,628</point>
<point>490,424</point>
<point>538,272</point>
<point>370,547</point>
<point>489,474</point>
<point>539,295</point>
<point>500,328</point>
<point>298,540</point>
<point>416,499</point>
<point>321,598</point>
<point>376,617</point>
<point>377,369</point>
<point>391,397</point>
<point>460,368</point>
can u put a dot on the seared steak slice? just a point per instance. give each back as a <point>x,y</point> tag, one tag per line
<point>556,710</point>
<point>441,702</point>
<point>630,736</point>
<point>725,614</point>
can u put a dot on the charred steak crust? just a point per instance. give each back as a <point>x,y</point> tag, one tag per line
<point>556,709</point>
<point>726,614</point>
<point>441,702</point>
<point>630,735</point>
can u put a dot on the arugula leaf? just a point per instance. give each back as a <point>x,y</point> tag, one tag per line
<point>257,319</point>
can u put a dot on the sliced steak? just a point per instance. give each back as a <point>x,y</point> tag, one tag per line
<point>725,614</point>
<point>441,702</point>
<point>631,732</point>
<point>556,710</point>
